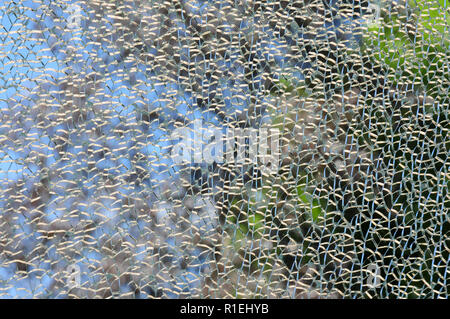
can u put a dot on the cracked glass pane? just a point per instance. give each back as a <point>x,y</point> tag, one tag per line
<point>224,149</point>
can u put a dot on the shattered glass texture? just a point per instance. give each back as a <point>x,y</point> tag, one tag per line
<point>91,91</point>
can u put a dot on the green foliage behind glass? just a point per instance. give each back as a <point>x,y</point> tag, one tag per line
<point>414,44</point>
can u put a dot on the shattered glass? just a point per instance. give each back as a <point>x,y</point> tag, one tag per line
<point>107,108</point>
